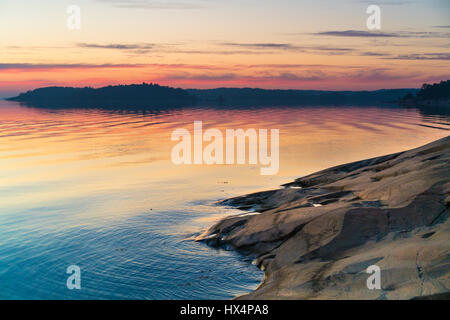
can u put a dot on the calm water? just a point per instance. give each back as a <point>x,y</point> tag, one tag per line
<point>97,188</point>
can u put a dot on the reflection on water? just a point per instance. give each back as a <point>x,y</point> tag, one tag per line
<point>96,188</point>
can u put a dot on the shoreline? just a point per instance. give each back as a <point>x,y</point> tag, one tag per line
<point>315,238</point>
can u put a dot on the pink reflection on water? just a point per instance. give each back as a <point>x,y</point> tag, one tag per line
<point>77,152</point>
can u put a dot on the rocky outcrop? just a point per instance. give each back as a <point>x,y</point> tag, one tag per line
<point>315,237</point>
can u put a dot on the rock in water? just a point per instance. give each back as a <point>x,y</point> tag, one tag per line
<point>390,211</point>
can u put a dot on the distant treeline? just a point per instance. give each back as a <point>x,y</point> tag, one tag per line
<point>429,94</point>
<point>154,95</point>
<point>110,96</point>
<point>262,97</point>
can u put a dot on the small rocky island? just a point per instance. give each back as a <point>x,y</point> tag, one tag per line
<point>316,237</point>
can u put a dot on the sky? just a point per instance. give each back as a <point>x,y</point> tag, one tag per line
<point>288,44</point>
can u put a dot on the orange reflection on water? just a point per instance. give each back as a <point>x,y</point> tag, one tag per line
<point>118,162</point>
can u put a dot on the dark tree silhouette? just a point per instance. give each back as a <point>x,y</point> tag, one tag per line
<point>436,91</point>
<point>121,95</point>
<point>153,95</point>
<point>428,94</point>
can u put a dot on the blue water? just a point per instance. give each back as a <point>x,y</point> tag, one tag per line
<point>97,189</point>
<point>131,259</point>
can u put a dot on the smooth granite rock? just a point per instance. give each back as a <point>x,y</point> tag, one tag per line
<point>316,237</point>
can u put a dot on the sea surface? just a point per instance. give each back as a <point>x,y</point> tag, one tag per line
<point>97,189</point>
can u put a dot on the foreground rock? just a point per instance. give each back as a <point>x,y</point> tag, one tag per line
<point>316,237</point>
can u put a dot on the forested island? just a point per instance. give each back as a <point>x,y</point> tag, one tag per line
<point>276,97</point>
<point>154,95</point>
<point>437,94</point>
<point>135,95</point>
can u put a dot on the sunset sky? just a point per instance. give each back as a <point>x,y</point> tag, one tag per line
<point>313,44</point>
